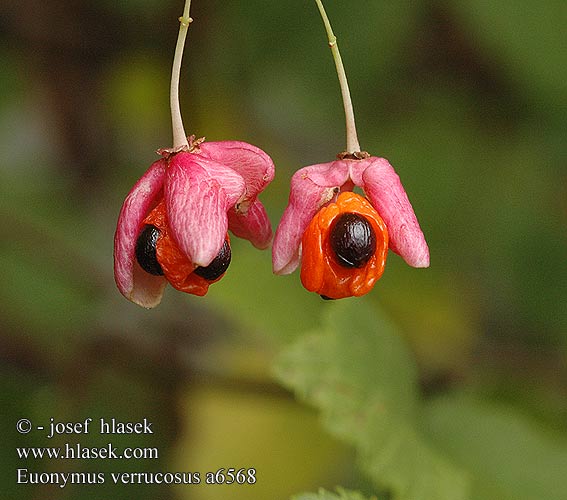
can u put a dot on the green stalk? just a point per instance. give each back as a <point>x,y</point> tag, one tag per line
<point>352,145</point>
<point>179,135</point>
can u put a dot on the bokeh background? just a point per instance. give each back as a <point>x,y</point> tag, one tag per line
<point>466,99</point>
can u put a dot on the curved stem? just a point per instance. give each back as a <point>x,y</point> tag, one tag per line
<point>179,136</point>
<point>351,138</point>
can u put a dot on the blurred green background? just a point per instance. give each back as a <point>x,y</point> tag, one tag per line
<point>467,100</point>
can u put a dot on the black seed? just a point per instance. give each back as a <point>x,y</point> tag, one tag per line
<point>218,266</point>
<point>146,251</point>
<point>353,240</point>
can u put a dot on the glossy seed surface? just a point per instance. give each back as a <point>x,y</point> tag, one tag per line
<point>146,250</point>
<point>218,266</point>
<point>353,240</point>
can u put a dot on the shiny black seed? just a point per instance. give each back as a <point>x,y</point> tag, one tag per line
<point>146,251</point>
<point>353,240</point>
<point>324,297</point>
<point>218,266</point>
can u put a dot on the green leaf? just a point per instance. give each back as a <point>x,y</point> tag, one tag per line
<point>359,373</point>
<point>507,457</point>
<point>341,494</point>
